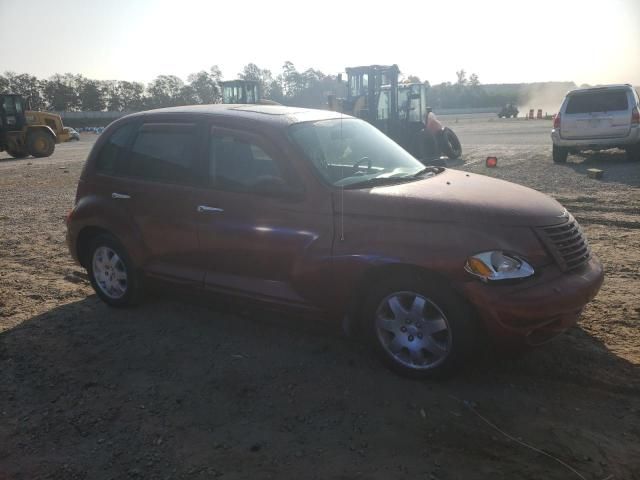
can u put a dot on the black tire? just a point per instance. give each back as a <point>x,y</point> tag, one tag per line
<point>450,145</point>
<point>428,146</point>
<point>633,153</point>
<point>559,154</point>
<point>40,144</point>
<point>460,336</point>
<point>131,287</point>
<point>17,153</point>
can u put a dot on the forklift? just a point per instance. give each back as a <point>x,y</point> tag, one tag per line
<point>397,109</point>
<point>244,92</point>
<point>25,132</point>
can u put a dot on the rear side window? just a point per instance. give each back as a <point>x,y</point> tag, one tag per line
<point>114,148</point>
<point>611,101</point>
<point>163,152</point>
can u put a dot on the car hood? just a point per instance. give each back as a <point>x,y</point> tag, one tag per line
<point>455,196</point>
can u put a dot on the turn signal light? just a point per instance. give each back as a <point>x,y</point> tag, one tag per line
<point>477,266</point>
<point>635,116</point>
<point>556,121</point>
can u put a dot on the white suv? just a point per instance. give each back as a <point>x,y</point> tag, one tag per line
<point>596,119</point>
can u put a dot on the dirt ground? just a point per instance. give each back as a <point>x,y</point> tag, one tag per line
<point>201,388</point>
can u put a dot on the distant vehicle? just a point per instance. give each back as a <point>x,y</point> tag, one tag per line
<point>597,118</point>
<point>26,132</point>
<point>508,111</point>
<point>73,134</point>
<point>243,92</point>
<point>399,110</point>
<point>323,213</point>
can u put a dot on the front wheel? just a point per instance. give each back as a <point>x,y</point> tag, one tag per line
<point>40,144</point>
<point>111,272</point>
<point>420,329</point>
<point>450,145</point>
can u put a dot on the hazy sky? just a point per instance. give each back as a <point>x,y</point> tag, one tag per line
<point>502,41</point>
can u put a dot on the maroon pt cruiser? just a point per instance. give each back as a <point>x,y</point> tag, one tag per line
<point>320,211</point>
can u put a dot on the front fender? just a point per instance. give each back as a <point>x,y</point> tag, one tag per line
<point>44,128</point>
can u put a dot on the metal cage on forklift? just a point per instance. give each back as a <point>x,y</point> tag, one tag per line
<point>241,91</point>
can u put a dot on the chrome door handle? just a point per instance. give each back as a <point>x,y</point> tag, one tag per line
<point>207,209</point>
<point>121,196</point>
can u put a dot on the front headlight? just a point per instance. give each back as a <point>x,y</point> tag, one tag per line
<point>492,266</point>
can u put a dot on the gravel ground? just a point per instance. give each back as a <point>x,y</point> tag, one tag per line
<point>209,388</point>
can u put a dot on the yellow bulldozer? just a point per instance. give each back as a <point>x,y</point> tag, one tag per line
<point>25,132</point>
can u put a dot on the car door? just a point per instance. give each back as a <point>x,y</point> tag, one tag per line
<point>261,233</point>
<point>155,189</point>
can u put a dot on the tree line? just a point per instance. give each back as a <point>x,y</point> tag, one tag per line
<point>308,88</point>
<point>72,92</point>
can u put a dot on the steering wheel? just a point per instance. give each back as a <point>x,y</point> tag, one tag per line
<point>362,160</point>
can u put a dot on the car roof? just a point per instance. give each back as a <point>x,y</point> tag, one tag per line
<point>601,88</point>
<point>263,113</point>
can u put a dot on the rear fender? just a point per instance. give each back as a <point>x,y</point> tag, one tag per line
<point>95,211</point>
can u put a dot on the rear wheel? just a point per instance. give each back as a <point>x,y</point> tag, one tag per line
<point>559,154</point>
<point>17,153</point>
<point>450,144</point>
<point>111,272</point>
<point>633,153</point>
<point>419,328</point>
<point>40,144</point>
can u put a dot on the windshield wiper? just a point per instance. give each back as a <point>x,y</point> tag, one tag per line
<point>378,181</point>
<point>434,170</point>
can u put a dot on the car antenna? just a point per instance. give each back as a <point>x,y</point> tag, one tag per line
<point>342,184</point>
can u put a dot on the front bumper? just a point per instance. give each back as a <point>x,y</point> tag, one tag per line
<point>536,310</point>
<point>632,138</point>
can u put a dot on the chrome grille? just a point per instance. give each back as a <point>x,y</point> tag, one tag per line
<point>566,243</point>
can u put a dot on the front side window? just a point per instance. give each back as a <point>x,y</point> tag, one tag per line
<point>383,105</point>
<point>358,84</point>
<point>352,153</point>
<point>252,94</point>
<point>8,105</point>
<point>114,148</point>
<point>230,94</point>
<point>163,152</point>
<point>236,164</point>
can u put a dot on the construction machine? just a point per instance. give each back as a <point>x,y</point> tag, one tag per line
<point>397,109</point>
<point>244,92</point>
<point>25,132</point>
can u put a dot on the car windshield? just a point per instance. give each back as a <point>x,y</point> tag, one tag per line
<point>352,153</point>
